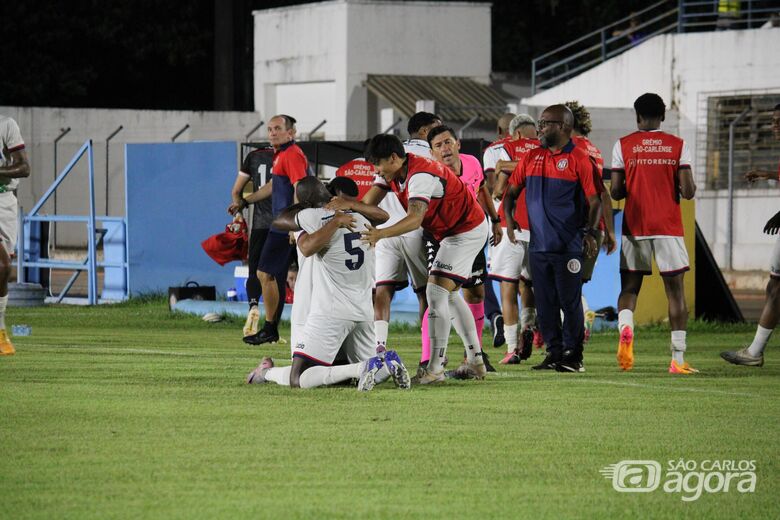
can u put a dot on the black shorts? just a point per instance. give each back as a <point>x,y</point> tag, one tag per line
<point>276,255</point>
<point>478,268</point>
<point>256,242</point>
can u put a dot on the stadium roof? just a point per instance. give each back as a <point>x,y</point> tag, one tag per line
<point>457,99</point>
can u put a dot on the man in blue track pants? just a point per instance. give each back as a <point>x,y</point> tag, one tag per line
<point>563,212</point>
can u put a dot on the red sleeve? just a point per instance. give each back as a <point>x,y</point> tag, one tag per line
<point>293,166</point>
<point>518,174</point>
<point>598,181</point>
<point>585,173</point>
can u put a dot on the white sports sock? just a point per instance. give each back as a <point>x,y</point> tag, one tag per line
<point>625,319</point>
<point>510,333</point>
<point>3,305</point>
<point>380,334</point>
<point>759,342</point>
<point>527,317</point>
<point>678,345</point>
<point>463,321</point>
<point>279,375</point>
<point>438,324</point>
<point>320,376</point>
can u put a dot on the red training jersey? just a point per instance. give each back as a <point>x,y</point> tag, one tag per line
<point>518,148</point>
<point>360,171</point>
<point>651,161</point>
<point>457,211</point>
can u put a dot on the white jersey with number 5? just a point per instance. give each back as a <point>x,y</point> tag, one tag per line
<point>342,272</point>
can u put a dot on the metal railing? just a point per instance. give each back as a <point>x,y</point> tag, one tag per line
<point>90,264</point>
<point>662,17</point>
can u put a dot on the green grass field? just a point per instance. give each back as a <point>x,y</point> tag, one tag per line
<point>128,411</point>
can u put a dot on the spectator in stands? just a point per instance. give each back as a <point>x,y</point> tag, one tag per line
<point>256,168</point>
<point>753,354</point>
<point>13,166</point>
<point>632,31</point>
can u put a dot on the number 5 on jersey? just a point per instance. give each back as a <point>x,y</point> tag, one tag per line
<point>353,250</point>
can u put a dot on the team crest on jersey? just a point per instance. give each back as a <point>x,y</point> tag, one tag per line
<point>562,164</point>
<point>574,266</point>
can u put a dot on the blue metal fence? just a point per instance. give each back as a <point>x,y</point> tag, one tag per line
<point>30,259</point>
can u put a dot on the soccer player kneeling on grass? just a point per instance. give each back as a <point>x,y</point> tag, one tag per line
<point>341,308</point>
<point>437,200</point>
<point>652,170</point>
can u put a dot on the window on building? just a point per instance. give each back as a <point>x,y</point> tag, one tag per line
<point>754,144</point>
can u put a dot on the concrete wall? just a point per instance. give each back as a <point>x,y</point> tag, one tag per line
<point>310,44</point>
<point>686,69</point>
<point>40,126</point>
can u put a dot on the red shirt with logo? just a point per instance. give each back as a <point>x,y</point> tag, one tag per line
<point>651,161</point>
<point>360,171</point>
<point>518,148</point>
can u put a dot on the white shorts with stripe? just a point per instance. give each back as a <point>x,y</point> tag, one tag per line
<point>508,261</point>
<point>636,255</point>
<point>400,258</point>
<point>9,221</point>
<point>457,252</point>
<point>325,336</point>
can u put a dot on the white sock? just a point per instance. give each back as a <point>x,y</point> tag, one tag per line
<point>463,321</point>
<point>3,305</point>
<point>380,334</point>
<point>678,345</point>
<point>279,375</point>
<point>321,376</point>
<point>438,324</point>
<point>510,333</point>
<point>625,319</point>
<point>759,342</point>
<point>527,317</point>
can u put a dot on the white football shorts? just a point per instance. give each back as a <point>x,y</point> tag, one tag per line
<point>508,261</point>
<point>457,252</point>
<point>636,255</point>
<point>325,336</point>
<point>400,258</point>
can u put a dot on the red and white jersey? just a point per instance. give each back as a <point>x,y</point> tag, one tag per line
<point>10,141</point>
<point>496,151</point>
<point>598,160</point>
<point>390,203</point>
<point>593,151</point>
<point>360,171</point>
<point>452,209</point>
<point>518,148</point>
<point>651,161</point>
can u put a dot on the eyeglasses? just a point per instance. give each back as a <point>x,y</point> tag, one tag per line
<point>543,123</point>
